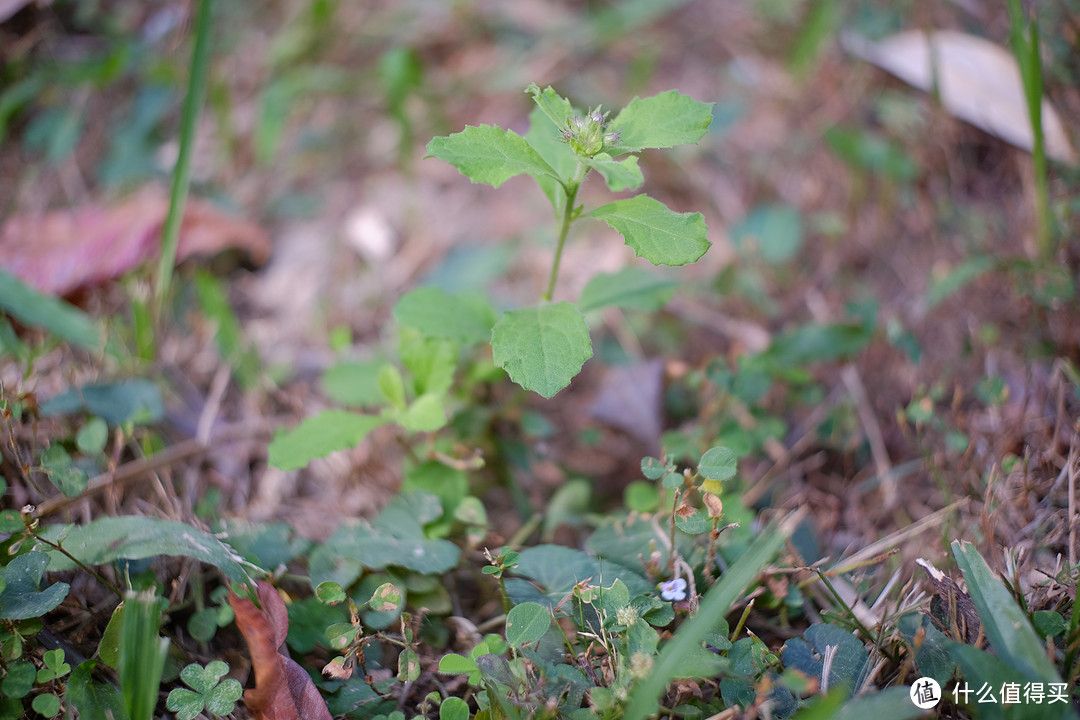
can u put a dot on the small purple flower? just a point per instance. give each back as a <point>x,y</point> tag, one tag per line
<point>673,590</point>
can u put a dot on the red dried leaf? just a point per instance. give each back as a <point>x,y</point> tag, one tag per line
<point>62,251</point>
<point>283,690</point>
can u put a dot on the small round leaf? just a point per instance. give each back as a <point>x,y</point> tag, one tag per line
<point>330,593</point>
<point>386,598</point>
<point>718,463</point>
<point>526,623</point>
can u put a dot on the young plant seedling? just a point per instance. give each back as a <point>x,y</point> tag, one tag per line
<point>544,346</point>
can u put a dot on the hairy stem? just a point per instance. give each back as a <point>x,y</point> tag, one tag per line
<point>568,217</point>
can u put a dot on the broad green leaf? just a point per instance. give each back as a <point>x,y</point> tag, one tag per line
<point>674,480</point>
<point>695,523</point>
<point>138,401</point>
<point>222,699</point>
<point>618,174</point>
<point>775,231</point>
<point>131,537</point>
<point>385,598</point>
<point>627,540</point>
<point>615,597</point>
<point>67,477</point>
<point>46,705</point>
<point>354,383</point>
<point>716,603</point>
<point>454,664</point>
<point>557,108</point>
<point>20,598</point>
<point>653,468</point>
<point>330,592</point>
<point>187,704</point>
<point>425,414</point>
<point>431,362</point>
<point>11,521</point>
<point>654,232</point>
<point>408,665</point>
<point>392,386</point>
<point>92,436</point>
<point>454,708</point>
<point>661,121</point>
<point>35,309</point>
<point>438,314</point>
<point>93,698</point>
<point>932,656</point>
<point>19,679</point>
<point>542,348</point>
<point>204,679</point>
<point>718,463</point>
<point>849,662</point>
<point>1048,623</point>
<point>318,436</point>
<point>353,547</point>
<point>547,140</point>
<point>526,623</point>
<point>488,154</point>
<point>557,569</point>
<point>632,288</point>
<point>1007,627</point>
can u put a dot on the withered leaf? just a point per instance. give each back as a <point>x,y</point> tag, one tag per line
<point>62,251</point>
<point>952,609</point>
<point>283,690</point>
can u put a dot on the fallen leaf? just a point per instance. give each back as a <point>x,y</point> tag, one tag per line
<point>630,399</point>
<point>978,81</point>
<point>283,690</point>
<point>62,251</point>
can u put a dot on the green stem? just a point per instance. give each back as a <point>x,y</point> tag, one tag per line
<point>200,64</point>
<point>571,189</point>
<point>60,549</point>
<point>505,595</point>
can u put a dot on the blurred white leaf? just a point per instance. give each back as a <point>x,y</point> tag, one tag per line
<point>978,81</point>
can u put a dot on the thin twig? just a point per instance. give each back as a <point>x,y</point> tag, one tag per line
<point>138,468</point>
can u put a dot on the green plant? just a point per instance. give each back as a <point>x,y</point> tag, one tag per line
<point>208,691</point>
<point>142,654</point>
<point>542,347</point>
<point>200,67</point>
<point>1026,48</point>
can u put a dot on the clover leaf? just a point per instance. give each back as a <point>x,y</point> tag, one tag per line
<point>208,691</point>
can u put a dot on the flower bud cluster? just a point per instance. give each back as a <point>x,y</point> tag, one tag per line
<point>589,135</point>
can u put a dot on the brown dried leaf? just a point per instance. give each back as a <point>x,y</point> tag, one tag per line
<point>62,251</point>
<point>714,505</point>
<point>283,690</point>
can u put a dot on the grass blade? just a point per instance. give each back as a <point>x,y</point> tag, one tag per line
<point>200,65</point>
<point>1007,627</point>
